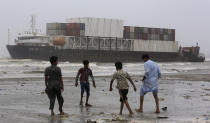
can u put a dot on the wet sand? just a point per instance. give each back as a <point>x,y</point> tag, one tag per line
<point>186,96</point>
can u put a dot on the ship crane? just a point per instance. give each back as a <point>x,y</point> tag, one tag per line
<point>33,25</point>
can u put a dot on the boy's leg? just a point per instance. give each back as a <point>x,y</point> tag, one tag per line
<point>82,92</point>
<point>128,107</point>
<point>60,101</point>
<point>155,94</point>
<point>87,89</point>
<point>141,103</point>
<point>124,99</point>
<point>142,93</point>
<point>121,108</point>
<point>52,96</point>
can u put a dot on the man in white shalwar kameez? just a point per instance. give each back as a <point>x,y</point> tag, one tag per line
<point>150,82</point>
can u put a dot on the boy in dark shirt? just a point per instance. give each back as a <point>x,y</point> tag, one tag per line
<point>54,85</point>
<point>84,74</point>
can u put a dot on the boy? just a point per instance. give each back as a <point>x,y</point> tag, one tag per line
<point>54,85</point>
<point>84,74</point>
<point>150,82</point>
<point>123,86</point>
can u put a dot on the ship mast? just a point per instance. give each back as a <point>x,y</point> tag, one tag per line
<point>33,24</point>
<point>8,36</point>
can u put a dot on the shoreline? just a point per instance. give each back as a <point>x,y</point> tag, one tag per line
<point>182,77</point>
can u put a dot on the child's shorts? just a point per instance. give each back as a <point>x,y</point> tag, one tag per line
<point>123,94</point>
<point>143,92</point>
<point>85,86</point>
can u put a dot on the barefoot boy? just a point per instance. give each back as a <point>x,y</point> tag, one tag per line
<point>54,84</point>
<point>150,82</point>
<point>84,74</point>
<point>123,86</point>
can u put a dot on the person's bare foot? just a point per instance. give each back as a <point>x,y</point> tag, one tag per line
<point>88,105</point>
<point>52,113</point>
<point>62,113</point>
<point>139,110</point>
<point>157,111</point>
<point>81,103</point>
<point>131,114</point>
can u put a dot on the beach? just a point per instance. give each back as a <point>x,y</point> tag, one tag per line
<point>184,90</point>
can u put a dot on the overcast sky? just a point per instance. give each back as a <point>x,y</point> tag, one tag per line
<point>190,18</point>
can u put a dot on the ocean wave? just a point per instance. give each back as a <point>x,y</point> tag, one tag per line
<point>207,59</point>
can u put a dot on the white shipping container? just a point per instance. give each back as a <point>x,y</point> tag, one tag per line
<point>100,27</point>
<point>155,46</point>
<point>165,37</point>
<point>132,29</point>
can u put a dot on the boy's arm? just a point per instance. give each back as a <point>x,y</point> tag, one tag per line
<point>77,78</point>
<point>131,81</point>
<point>46,77</point>
<point>92,77</point>
<point>46,81</point>
<point>61,79</point>
<point>159,73</point>
<point>111,82</point>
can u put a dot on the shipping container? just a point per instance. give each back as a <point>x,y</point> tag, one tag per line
<point>136,35</point>
<point>150,30</point>
<point>169,31</point>
<point>132,29</point>
<point>75,29</point>
<point>145,30</point>
<point>161,31</point>
<point>132,35</point>
<point>56,26</point>
<point>157,37</point>
<point>145,36</point>
<point>157,30</point>
<point>170,37</point>
<point>126,29</point>
<point>165,31</point>
<point>137,29</point>
<point>155,46</point>
<point>165,37</point>
<point>100,27</point>
<point>56,32</point>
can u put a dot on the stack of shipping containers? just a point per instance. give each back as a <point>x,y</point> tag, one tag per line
<point>100,27</point>
<point>75,29</point>
<point>56,29</point>
<point>110,34</point>
<point>146,33</point>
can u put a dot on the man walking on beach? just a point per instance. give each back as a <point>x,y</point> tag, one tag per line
<point>54,85</point>
<point>150,82</point>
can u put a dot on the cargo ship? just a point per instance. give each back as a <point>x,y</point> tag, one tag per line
<point>102,40</point>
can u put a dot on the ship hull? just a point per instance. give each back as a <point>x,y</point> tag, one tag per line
<point>77,55</point>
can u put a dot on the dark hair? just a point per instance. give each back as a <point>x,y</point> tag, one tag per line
<point>53,59</point>
<point>145,56</point>
<point>118,65</point>
<point>85,62</point>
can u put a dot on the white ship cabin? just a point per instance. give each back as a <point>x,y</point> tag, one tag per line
<point>33,40</point>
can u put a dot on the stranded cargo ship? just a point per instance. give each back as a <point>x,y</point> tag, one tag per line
<point>102,40</point>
